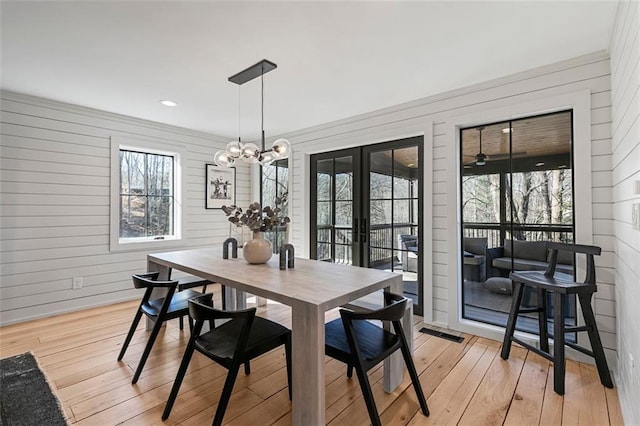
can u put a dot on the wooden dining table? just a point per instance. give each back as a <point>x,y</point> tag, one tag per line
<point>311,288</point>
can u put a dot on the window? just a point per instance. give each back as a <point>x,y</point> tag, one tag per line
<point>145,195</point>
<point>275,178</point>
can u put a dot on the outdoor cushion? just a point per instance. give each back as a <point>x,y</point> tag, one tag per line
<point>475,245</point>
<point>533,250</point>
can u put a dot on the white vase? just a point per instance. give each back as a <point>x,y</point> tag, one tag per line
<point>257,250</point>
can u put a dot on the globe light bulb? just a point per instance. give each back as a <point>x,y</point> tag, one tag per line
<point>250,153</point>
<point>267,158</point>
<point>234,149</point>
<point>281,148</point>
<point>222,159</point>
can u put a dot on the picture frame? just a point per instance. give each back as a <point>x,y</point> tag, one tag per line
<point>220,186</point>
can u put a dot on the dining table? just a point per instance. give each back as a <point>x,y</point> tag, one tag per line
<point>310,288</point>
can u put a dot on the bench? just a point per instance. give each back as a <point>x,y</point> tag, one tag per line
<point>527,256</point>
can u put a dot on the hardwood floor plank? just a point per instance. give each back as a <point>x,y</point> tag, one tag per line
<point>594,397</point>
<point>613,405</point>
<point>526,405</point>
<point>491,401</point>
<point>552,403</point>
<point>450,399</point>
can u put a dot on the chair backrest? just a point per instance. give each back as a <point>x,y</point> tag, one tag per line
<point>589,251</point>
<point>150,279</point>
<point>393,311</point>
<point>475,245</point>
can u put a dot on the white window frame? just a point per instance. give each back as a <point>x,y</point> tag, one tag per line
<point>151,147</point>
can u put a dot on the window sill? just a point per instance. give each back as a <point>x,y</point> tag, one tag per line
<point>118,246</point>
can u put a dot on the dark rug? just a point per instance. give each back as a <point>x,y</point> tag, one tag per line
<point>25,396</point>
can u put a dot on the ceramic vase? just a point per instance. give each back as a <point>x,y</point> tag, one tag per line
<point>257,250</point>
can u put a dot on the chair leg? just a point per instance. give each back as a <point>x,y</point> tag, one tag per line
<point>181,324</point>
<point>147,350</point>
<point>287,354</point>
<point>367,394</point>
<point>226,395</point>
<point>513,317</point>
<point>186,359</point>
<point>594,339</point>
<point>542,320</point>
<point>132,330</point>
<point>408,360</point>
<point>558,344</point>
<point>349,370</point>
<point>247,367</point>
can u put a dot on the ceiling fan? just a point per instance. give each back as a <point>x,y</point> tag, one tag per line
<point>480,159</point>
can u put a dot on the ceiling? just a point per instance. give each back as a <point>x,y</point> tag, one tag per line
<point>335,59</point>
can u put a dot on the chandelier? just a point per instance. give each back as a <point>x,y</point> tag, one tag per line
<point>250,152</point>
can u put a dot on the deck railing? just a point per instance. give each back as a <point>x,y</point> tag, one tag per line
<point>523,232</point>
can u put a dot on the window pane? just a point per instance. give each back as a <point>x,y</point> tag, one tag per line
<point>324,213</point>
<point>324,251</point>
<point>159,175</point>
<point>133,222</point>
<point>380,186</point>
<point>401,213</point>
<point>325,171</point>
<point>344,213</point>
<point>132,169</point>
<point>160,216</point>
<point>401,187</point>
<point>324,235</point>
<point>380,212</point>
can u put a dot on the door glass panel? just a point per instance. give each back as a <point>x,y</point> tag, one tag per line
<point>324,212</point>
<point>344,213</point>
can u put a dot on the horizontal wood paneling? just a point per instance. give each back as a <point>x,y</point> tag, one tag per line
<point>625,159</point>
<point>54,209</point>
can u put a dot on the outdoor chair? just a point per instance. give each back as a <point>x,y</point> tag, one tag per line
<point>172,305</point>
<point>242,338</point>
<point>561,286</point>
<point>354,340</point>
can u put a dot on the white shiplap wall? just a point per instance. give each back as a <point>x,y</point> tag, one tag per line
<point>54,205</point>
<point>625,158</point>
<point>433,117</point>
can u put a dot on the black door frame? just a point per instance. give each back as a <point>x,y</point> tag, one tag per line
<point>361,202</point>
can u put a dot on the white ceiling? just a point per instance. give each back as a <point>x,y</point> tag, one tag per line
<point>335,59</point>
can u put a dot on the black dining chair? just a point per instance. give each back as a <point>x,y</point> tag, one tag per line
<point>172,305</point>
<point>191,281</point>
<point>357,342</point>
<point>242,338</point>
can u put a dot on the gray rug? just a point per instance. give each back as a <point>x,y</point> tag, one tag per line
<point>25,396</point>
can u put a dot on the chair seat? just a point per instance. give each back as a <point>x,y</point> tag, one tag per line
<point>375,342</point>
<point>179,304</point>
<point>221,342</point>
<point>560,283</point>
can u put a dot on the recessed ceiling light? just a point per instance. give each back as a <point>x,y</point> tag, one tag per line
<point>411,165</point>
<point>562,166</point>
<point>506,130</point>
<point>168,103</point>
<point>466,166</point>
<point>540,164</point>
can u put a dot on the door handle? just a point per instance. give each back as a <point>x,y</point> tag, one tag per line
<point>363,230</point>
<point>355,230</point>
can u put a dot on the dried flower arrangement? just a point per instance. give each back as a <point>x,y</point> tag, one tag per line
<point>256,218</point>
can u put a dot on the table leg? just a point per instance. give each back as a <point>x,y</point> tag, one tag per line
<point>394,365</point>
<point>308,365</point>
<point>157,293</point>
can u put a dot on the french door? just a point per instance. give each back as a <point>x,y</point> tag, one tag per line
<point>366,209</point>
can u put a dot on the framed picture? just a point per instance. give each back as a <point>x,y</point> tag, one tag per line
<point>220,187</point>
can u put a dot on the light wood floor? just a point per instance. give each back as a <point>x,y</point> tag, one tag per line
<point>465,383</point>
